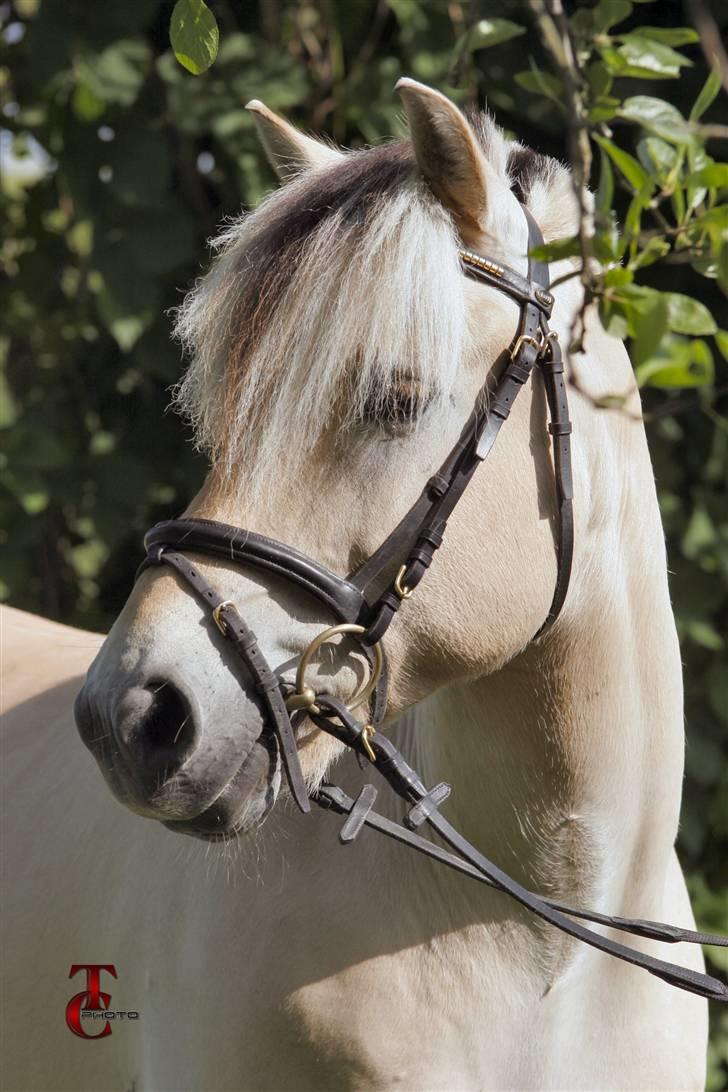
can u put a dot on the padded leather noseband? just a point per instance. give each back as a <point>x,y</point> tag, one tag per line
<point>372,595</point>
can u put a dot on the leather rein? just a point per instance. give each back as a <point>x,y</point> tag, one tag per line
<point>365,602</point>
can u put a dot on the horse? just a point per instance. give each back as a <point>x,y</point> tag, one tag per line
<point>335,349</point>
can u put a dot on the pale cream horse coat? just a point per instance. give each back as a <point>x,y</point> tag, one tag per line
<point>286,962</point>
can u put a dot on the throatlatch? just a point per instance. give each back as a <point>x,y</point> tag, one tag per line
<point>365,602</point>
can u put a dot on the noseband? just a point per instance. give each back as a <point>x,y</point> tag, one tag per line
<point>365,602</point>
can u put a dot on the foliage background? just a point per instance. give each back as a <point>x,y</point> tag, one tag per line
<point>120,164</point>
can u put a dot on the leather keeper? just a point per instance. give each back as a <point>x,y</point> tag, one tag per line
<point>430,802</point>
<point>560,428</point>
<point>358,815</point>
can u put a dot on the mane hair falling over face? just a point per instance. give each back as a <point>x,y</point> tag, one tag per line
<point>342,288</point>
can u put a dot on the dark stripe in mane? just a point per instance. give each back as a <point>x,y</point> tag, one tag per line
<point>526,167</point>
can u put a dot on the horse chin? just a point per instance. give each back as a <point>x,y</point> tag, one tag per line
<point>244,803</point>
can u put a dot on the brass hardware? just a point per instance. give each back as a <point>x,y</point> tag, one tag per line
<point>401,589</point>
<point>482,263</point>
<point>304,696</point>
<point>366,734</point>
<point>544,297</point>
<point>306,699</point>
<point>220,622</point>
<point>526,339</point>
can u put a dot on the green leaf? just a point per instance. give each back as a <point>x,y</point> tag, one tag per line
<point>116,75</point>
<point>649,320</point>
<point>658,116</point>
<point>632,170</point>
<point>541,83</point>
<point>486,33</point>
<point>705,635</point>
<point>656,248</point>
<point>9,409</point>
<point>688,316</point>
<point>721,340</point>
<point>652,56</point>
<point>679,363</point>
<point>556,251</point>
<point>605,190</point>
<point>714,176</point>
<point>671,36</point>
<point>604,109</point>
<point>194,35</point>
<point>643,58</point>
<point>598,78</point>
<point>86,106</point>
<point>709,91</point>
<point>657,155</point>
<point>609,12</point>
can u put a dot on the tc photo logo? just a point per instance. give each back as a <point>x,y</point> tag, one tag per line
<point>92,1003</point>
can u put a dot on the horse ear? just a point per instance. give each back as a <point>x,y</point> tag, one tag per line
<point>289,151</point>
<point>449,156</point>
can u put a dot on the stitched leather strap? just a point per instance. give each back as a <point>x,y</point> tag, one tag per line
<point>420,533</point>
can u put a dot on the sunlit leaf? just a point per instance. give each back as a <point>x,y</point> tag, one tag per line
<point>194,35</point>
<point>657,115</point>
<point>688,315</point>
<point>652,56</point>
<point>714,176</point>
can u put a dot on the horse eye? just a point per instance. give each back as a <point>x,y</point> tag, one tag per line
<point>399,406</point>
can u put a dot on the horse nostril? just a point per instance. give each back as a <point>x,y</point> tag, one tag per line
<point>157,725</point>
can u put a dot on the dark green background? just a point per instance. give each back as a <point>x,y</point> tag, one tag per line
<point>97,250</point>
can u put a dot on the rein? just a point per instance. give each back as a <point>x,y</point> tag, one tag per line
<point>365,602</point>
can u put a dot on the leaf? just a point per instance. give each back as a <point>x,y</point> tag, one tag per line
<point>709,91</point>
<point>486,33</point>
<point>705,635</point>
<point>657,155</point>
<point>609,12</point>
<point>643,58</point>
<point>679,363</point>
<point>714,176</point>
<point>689,316</point>
<point>649,317</point>
<point>86,106</point>
<point>632,170</point>
<point>605,190</point>
<point>556,251</point>
<point>656,248</point>
<point>9,409</point>
<point>652,56</point>
<point>540,83</point>
<point>658,116</point>
<point>194,35</point>
<point>721,340</point>
<point>671,36</point>
<point>598,78</point>
<point>116,75</point>
<point>604,109</point>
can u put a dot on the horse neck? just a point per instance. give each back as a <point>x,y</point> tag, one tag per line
<point>566,764</point>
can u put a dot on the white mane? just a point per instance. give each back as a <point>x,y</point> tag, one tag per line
<point>339,287</point>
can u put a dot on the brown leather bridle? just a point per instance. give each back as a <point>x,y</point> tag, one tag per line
<point>365,602</point>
